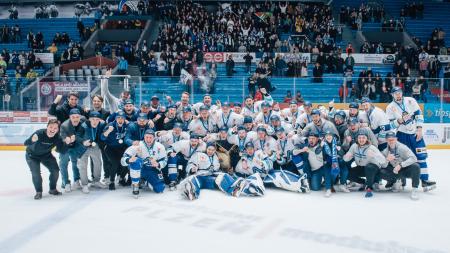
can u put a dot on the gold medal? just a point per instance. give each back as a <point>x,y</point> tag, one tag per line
<point>94,144</point>
<point>120,141</point>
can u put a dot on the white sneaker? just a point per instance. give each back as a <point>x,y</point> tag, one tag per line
<point>343,188</point>
<point>397,187</point>
<point>415,194</point>
<point>328,193</point>
<point>85,189</point>
<point>77,185</point>
<point>99,185</point>
<point>67,188</point>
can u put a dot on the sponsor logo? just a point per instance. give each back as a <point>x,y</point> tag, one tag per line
<point>46,89</point>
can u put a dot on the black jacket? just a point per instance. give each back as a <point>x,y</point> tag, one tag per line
<point>62,112</point>
<point>44,145</point>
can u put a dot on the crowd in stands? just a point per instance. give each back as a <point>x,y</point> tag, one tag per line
<point>242,27</point>
<point>413,10</point>
<point>355,17</point>
<point>10,34</point>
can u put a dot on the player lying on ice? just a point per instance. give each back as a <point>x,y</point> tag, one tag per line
<point>203,170</point>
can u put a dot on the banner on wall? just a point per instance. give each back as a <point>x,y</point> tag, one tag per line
<point>433,113</point>
<point>46,58</point>
<point>222,57</point>
<point>56,88</point>
<point>24,117</point>
<point>436,135</point>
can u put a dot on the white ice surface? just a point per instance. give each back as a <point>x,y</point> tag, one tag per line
<point>281,221</point>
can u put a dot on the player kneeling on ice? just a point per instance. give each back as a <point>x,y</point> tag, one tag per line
<point>146,161</point>
<point>368,159</point>
<point>402,164</point>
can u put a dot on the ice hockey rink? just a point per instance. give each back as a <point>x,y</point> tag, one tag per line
<point>281,221</point>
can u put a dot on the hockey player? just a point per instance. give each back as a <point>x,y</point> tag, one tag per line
<point>402,164</point>
<point>241,137</point>
<point>179,154</point>
<point>351,134</point>
<point>185,118</point>
<point>264,142</point>
<point>182,104</point>
<point>135,131</point>
<point>291,114</point>
<point>407,118</point>
<point>167,138</point>
<point>355,113</point>
<point>39,150</point>
<point>227,118</point>
<point>129,111</point>
<point>339,119</point>
<point>263,117</point>
<point>202,168</point>
<point>204,124</point>
<point>72,129</point>
<point>253,161</point>
<point>248,124</point>
<point>207,103</point>
<point>146,161</point>
<point>275,123</point>
<point>237,108</point>
<point>93,128</point>
<point>113,135</point>
<point>249,108</point>
<point>377,120</point>
<point>319,125</point>
<point>304,118</point>
<point>368,159</point>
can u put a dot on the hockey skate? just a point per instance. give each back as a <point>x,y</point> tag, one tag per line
<point>189,190</point>
<point>173,186</point>
<point>428,185</point>
<point>135,190</point>
<point>304,185</point>
<point>239,187</point>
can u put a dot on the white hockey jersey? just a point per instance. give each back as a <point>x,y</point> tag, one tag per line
<point>167,138</point>
<point>156,152</point>
<point>201,127</point>
<point>184,147</point>
<point>408,106</point>
<point>201,164</point>
<point>258,163</point>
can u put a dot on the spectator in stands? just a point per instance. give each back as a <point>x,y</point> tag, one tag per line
<point>419,89</point>
<point>349,61</point>
<point>31,75</point>
<point>280,65</point>
<point>248,62</point>
<point>230,66</point>
<point>299,98</point>
<point>252,84</point>
<point>288,98</point>
<point>434,67</point>
<point>317,73</point>
<point>162,67</point>
<point>385,96</point>
<point>123,66</point>
<point>349,49</point>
